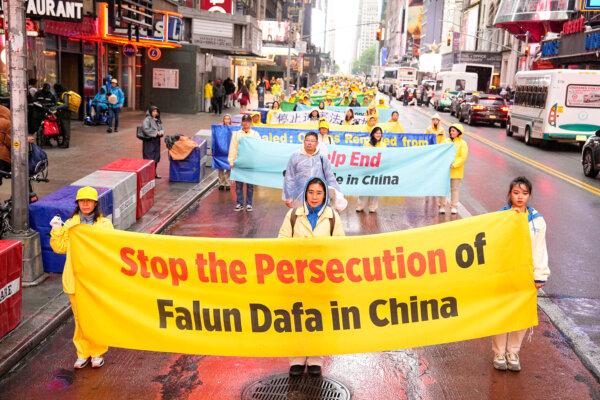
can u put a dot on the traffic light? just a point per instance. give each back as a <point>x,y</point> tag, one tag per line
<point>449,39</point>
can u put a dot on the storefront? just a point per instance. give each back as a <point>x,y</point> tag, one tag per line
<point>578,49</point>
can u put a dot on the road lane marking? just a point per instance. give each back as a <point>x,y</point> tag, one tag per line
<point>526,160</point>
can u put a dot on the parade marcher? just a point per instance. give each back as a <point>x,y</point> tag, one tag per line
<point>315,218</point>
<point>394,123</point>
<point>314,115</point>
<point>349,117</point>
<point>457,169</point>
<point>208,95</point>
<point>345,100</point>
<point>86,212</point>
<point>256,118</point>
<point>246,131</point>
<point>153,130</point>
<point>354,102</point>
<point>436,128</point>
<point>506,346</point>
<point>371,123</point>
<point>224,173</point>
<point>275,109</point>
<point>381,104</point>
<point>306,101</point>
<point>114,105</point>
<point>329,101</point>
<point>321,105</point>
<point>324,138</point>
<point>372,202</point>
<point>307,162</point>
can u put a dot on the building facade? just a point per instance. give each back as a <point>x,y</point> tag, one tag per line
<point>368,19</point>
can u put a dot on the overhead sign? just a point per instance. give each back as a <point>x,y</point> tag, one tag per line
<point>61,10</point>
<point>222,6</point>
<point>273,31</point>
<point>129,50</point>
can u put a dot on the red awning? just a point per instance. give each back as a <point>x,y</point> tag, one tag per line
<point>86,29</point>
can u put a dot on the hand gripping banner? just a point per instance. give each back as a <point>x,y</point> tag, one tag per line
<point>288,297</point>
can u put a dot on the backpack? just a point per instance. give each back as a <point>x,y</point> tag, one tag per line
<point>36,154</point>
<point>294,217</point>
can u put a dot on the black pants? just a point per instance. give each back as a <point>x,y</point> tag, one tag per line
<point>218,104</point>
<point>113,115</point>
<point>151,150</point>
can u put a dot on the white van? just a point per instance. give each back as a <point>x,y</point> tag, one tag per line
<point>557,104</point>
<point>448,84</point>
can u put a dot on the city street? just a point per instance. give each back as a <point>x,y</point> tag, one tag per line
<point>551,369</point>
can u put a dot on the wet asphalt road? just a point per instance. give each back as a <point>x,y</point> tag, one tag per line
<point>454,371</point>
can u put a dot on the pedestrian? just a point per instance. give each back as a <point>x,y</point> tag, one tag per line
<point>218,95</point>
<point>153,129</point>
<point>506,346</point>
<point>31,89</point>
<point>324,138</point>
<point>208,95</point>
<point>246,131</point>
<point>315,218</point>
<point>349,117</point>
<point>306,163</point>
<point>275,109</point>
<point>86,212</point>
<point>100,101</point>
<point>436,128</point>
<point>394,123</point>
<point>244,97</point>
<point>116,100</point>
<point>372,202</point>
<point>457,169</point>
<point>224,173</point>
<point>229,91</point>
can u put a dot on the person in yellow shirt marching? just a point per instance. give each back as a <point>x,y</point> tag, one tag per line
<point>275,109</point>
<point>208,95</point>
<point>457,169</point>
<point>394,123</point>
<point>86,212</point>
<point>436,128</point>
<point>375,140</point>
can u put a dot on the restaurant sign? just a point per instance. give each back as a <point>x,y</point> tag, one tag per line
<point>61,10</point>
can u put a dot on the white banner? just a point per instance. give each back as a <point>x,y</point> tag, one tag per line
<point>298,117</point>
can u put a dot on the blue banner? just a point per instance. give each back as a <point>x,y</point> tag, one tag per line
<point>385,114</point>
<point>221,137</point>
<point>364,171</point>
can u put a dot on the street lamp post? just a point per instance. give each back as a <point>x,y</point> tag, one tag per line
<point>33,272</point>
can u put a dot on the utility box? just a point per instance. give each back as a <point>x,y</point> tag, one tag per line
<point>145,173</point>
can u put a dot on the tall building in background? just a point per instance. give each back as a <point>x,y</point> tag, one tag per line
<point>368,18</point>
<point>395,14</point>
<point>330,34</point>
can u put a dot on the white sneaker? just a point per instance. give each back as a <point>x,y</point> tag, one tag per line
<point>453,210</point>
<point>442,210</point>
<point>512,360</point>
<point>81,363</point>
<point>500,362</point>
<point>249,208</point>
<point>239,207</point>
<point>358,209</point>
<point>97,362</point>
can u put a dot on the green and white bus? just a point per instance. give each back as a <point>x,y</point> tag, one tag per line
<point>557,104</point>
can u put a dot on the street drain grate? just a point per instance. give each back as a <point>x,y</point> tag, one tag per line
<point>282,387</point>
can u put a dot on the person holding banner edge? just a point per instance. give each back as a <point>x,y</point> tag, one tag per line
<point>246,131</point>
<point>314,219</point>
<point>457,169</point>
<point>86,212</point>
<point>376,140</point>
<point>506,346</point>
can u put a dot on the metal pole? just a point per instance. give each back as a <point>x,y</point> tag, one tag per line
<point>17,66</point>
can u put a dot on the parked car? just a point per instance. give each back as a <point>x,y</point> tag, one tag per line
<point>590,156</point>
<point>442,102</point>
<point>460,98</point>
<point>489,108</point>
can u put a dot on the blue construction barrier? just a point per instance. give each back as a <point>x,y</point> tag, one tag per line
<point>62,203</point>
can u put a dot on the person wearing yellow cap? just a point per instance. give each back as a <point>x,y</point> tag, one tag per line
<point>436,128</point>
<point>457,169</point>
<point>86,212</point>
<point>256,118</point>
<point>371,122</point>
<point>381,104</point>
<point>324,138</point>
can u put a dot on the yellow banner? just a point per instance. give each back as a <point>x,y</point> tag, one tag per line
<point>283,297</point>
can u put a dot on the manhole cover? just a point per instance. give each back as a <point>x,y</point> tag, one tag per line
<point>280,387</point>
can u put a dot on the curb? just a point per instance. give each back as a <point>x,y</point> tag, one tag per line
<point>21,341</point>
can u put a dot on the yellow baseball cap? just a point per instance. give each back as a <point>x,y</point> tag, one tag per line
<point>323,123</point>
<point>87,193</point>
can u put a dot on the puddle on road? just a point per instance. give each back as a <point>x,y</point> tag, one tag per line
<point>61,380</point>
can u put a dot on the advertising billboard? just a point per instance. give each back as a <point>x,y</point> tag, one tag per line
<point>273,31</point>
<point>415,25</point>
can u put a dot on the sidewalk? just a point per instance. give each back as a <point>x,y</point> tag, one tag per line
<point>46,307</point>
